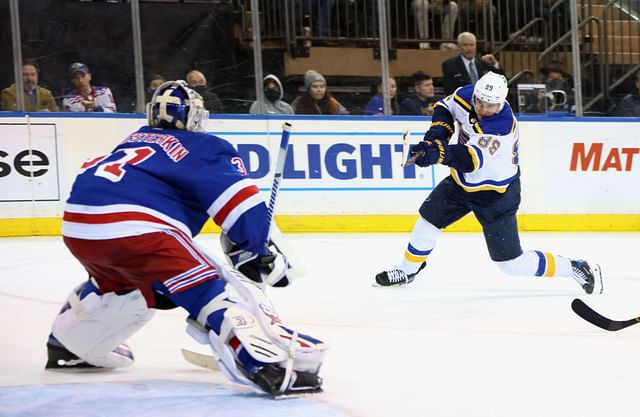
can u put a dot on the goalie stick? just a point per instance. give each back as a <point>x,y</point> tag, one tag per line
<point>593,317</point>
<point>200,359</point>
<point>296,269</point>
<point>279,170</point>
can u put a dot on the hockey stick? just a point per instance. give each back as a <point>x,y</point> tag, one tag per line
<point>406,160</point>
<point>279,170</point>
<point>405,148</point>
<point>296,269</point>
<point>201,360</point>
<point>593,317</point>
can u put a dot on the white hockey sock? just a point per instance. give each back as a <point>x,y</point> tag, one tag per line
<point>421,243</point>
<point>536,263</point>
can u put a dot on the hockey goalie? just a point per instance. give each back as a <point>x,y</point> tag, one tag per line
<point>130,221</point>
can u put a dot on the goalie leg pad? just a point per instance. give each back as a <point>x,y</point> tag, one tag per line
<point>247,336</point>
<point>248,354</point>
<point>95,327</point>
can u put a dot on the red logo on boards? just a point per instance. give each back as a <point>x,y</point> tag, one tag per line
<point>597,157</point>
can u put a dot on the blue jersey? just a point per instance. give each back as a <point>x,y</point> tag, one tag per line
<point>159,179</point>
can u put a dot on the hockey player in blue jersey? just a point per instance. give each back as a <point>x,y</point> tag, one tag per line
<point>485,180</point>
<point>130,221</point>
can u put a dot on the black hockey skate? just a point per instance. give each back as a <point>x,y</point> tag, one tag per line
<point>590,280</point>
<point>58,357</point>
<point>396,277</point>
<point>270,379</point>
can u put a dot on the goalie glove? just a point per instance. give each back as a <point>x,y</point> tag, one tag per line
<point>270,269</point>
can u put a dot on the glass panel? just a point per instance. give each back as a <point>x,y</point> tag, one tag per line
<point>197,42</point>
<point>6,51</point>
<point>57,34</point>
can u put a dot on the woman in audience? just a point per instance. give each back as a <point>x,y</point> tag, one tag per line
<point>376,104</point>
<point>316,99</point>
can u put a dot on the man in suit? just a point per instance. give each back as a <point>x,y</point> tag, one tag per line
<point>467,68</point>
<point>36,98</point>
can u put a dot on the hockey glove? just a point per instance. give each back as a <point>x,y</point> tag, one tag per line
<point>429,152</point>
<point>270,268</point>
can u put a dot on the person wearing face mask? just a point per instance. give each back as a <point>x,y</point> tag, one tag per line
<point>272,98</point>
<point>316,99</point>
<point>155,81</point>
<point>36,98</point>
<point>198,82</point>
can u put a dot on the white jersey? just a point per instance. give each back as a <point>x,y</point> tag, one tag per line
<point>101,95</point>
<point>492,143</point>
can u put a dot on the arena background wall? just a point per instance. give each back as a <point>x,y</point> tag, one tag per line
<point>343,174</point>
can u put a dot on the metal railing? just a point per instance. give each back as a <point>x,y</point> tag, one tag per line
<point>527,34</point>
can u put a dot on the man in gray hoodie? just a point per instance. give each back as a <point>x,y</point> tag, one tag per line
<point>272,98</point>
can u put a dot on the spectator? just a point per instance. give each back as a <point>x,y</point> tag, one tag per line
<point>198,82</point>
<point>316,99</point>
<point>446,9</point>
<point>629,106</point>
<point>85,97</point>
<point>375,106</point>
<point>36,98</point>
<point>467,68</point>
<point>155,81</point>
<point>420,102</point>
<point>272,98</point>
<point>558,88</point>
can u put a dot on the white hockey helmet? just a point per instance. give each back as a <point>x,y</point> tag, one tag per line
<point>492,88</point>
<point>175,105</point>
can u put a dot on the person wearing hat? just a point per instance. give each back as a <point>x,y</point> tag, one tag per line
<point>36,98</point>
<point>557,86</point>
<point>316,99</point>
<point>86,97</point>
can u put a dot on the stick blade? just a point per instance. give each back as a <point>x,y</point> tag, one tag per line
<point>198,359</point>
<point>587,313</point>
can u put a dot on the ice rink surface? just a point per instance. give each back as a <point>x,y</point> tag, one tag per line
<point>462,341</point>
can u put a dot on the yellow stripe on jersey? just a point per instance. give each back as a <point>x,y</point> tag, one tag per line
<point>551,265</point>
<point>477,128</point>
<point>445,125</point>
<point>497,188</point>
<point>462,102</point>
<point>474,157</point>
<point>414,258</point>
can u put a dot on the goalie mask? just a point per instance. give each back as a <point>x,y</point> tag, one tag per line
<point>175,105</point>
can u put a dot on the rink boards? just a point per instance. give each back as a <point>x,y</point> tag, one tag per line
<point>342,173</point>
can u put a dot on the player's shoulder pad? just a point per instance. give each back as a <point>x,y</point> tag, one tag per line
<point>463,96</point>
<point>502,124</point>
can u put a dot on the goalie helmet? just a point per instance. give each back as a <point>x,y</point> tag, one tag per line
<point>492,88</point>
<point>175,105</point>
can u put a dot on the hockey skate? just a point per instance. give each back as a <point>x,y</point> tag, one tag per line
<point>396,277</point>
<point>590,280</point>
<point>59,357</point>
<point>270,380</point>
